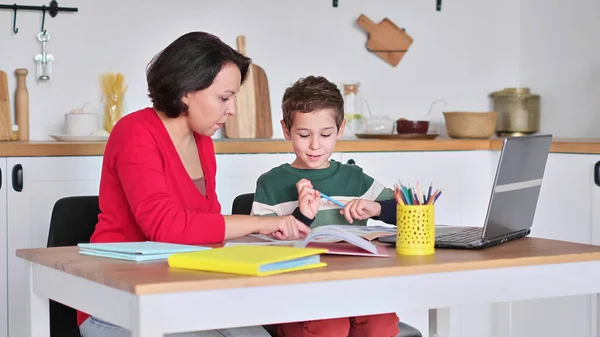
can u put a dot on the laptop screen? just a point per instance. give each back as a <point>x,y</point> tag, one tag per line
<point>517,185</point>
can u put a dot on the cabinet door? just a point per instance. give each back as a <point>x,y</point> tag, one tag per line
<point>35,185</point>
<point>3,251</point>
<point>237,173</point>
<point>564,210</point>
<point>595,302</point>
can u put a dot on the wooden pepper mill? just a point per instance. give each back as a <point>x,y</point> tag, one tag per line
<point>22,104</point>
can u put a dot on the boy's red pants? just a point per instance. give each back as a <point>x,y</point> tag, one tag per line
<point>382,325</point>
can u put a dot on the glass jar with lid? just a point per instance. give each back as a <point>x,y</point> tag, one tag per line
<point>355,107</point>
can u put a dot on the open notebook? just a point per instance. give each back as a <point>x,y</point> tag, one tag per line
<point>136,251</point>
<point>336,239</point>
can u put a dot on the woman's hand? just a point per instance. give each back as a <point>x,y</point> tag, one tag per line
<point>285,227</point>
<point>360,209</point>
<point>308,198</point>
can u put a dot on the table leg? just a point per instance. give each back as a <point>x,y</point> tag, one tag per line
<point>433,323</point>
<point>502,319</point>
<point>148,317</point>
<point>444,322</point>
<point>595,319</point>
<point>39,310</point>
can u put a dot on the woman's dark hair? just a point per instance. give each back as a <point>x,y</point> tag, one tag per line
<point>189,64</point>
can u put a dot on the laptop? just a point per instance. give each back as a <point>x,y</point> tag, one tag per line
<point>513,199</point>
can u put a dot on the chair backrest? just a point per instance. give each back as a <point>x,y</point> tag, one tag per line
<point>73,221</point>
<point>242,204</point>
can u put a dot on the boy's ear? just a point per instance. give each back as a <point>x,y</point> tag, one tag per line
<point>286,131</point>
<point>340,132</point>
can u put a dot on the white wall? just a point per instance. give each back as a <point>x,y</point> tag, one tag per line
<point>560,60</point>
<point>461,53</point>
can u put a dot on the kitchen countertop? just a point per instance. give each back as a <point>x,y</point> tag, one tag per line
<point>253,146</point>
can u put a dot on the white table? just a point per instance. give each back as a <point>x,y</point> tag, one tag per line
<point>150,299</point>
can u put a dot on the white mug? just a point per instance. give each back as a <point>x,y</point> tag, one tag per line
<point>81,124</point>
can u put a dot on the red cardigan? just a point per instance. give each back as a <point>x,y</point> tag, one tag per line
<point>146,193</point>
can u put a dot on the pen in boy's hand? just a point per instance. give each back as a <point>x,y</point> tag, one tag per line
<point>332,200</point>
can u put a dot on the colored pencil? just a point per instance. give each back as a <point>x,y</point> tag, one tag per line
<point>437,196</point>
<point>332,200</point>
<point>419,193</point>
<point>429,192</point>
<point>407,195</point>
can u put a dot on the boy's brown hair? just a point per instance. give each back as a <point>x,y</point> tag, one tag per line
<point>310,94</point>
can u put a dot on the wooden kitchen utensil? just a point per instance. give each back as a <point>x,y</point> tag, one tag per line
<point>252,104</point>
<point>5,112</point>
<point>386,40</point>
<point>264,126</point>
<point>22,104</point>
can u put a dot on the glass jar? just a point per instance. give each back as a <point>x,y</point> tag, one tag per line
<point>355,110</point>
<point>114,107</point>
<point>379,124</point>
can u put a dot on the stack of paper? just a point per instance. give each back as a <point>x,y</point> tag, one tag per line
<point>136,251</point>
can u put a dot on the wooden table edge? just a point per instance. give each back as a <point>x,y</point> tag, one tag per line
<point>325,275</point>
<point>322,275</point>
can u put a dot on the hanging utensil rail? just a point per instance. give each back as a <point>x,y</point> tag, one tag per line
<point>53,9</point>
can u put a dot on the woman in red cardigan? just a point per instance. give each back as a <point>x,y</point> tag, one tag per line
<point>159,167</point>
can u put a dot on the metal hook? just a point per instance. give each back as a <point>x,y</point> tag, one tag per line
<point>43,18</point>
<point>15,29</point>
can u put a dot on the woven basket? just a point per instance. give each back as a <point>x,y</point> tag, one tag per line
<point>479,125</point>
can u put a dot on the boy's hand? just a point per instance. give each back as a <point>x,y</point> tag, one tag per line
<point>308,198</point>
<point>285,227</point>
<point>360,209</point>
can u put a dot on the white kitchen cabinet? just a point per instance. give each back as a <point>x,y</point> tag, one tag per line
<point>3,251</point>
<point>44,181</point>
<point>237,173</point>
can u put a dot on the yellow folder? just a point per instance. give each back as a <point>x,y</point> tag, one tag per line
<point>250,260</point>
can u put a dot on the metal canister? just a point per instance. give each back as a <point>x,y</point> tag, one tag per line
<point>518,111</point>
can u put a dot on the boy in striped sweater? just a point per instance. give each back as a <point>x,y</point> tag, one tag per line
<point>313,119</point>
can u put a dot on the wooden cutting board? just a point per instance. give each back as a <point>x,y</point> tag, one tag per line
<point>386,40</point>
<point>252,104</point>
<point>5,113</point>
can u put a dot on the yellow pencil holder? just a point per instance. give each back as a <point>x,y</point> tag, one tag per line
<point>415,231</point>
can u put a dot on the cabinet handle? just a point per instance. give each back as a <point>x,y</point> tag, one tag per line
<point>0,179</point>
<point>17,177</point>
<point>597,173</point>
<point>351,162</point>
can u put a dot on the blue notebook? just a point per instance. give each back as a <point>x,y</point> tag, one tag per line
<point>136,251</point>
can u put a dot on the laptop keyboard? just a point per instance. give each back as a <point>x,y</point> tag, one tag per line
<point>462,235</point>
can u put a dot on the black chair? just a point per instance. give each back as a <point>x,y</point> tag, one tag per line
<point>73,221</point>
<point>242,204</point>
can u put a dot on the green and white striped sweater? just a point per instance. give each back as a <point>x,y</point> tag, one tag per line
<point>276,192</point>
